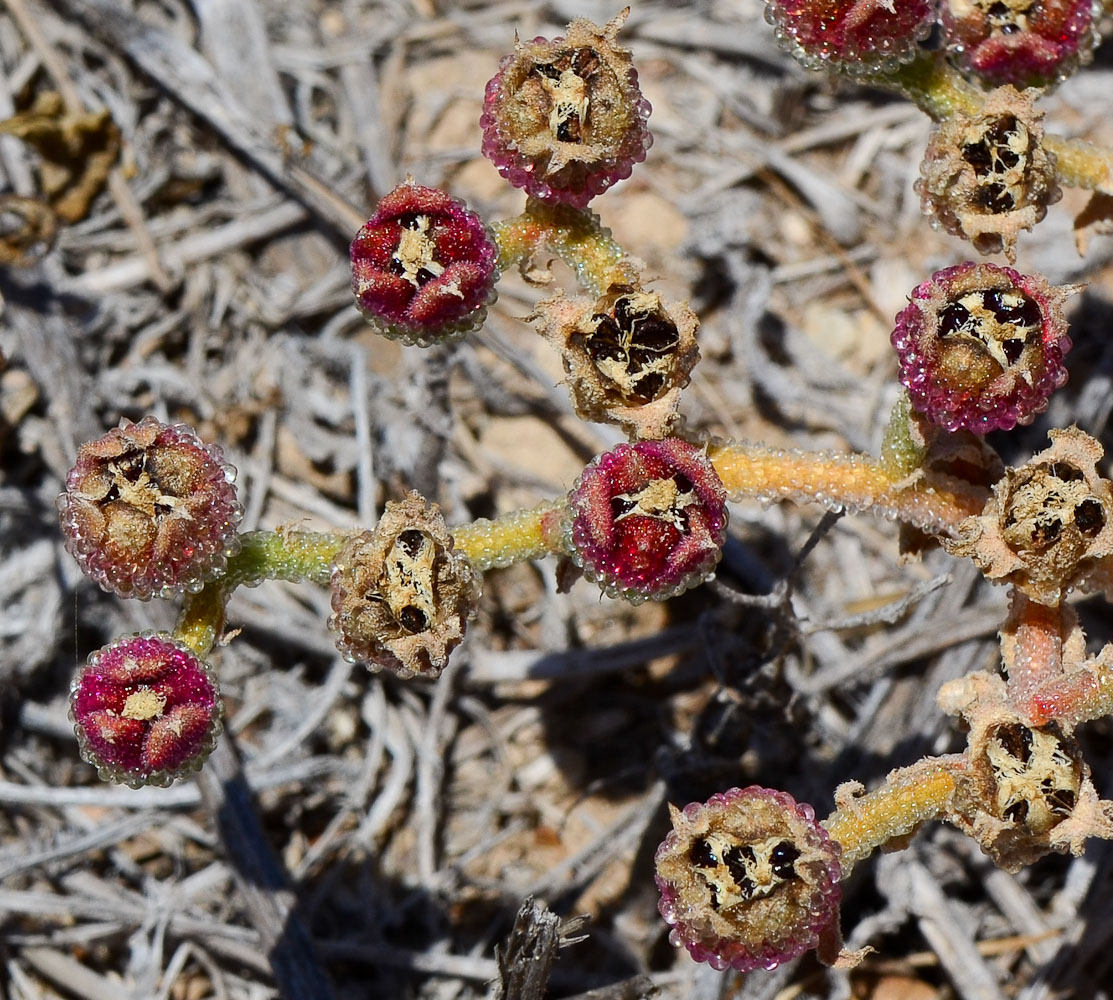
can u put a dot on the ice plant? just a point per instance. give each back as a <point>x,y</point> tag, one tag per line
<point>748,879</point>
<point>1023,42</point>
<point>424,267</point>
<point>648,520</point>
<point>853,36</point>
<point>149,509</point>
<point>981,347</point>
<point>145,709</point>
<point>564,118</point>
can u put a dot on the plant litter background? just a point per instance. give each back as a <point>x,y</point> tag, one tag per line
<point>360,837</point>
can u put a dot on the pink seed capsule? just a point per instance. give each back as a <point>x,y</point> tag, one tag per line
<point>748,879</point>
<point>146,710</point>
<point>852,36</point>
<point>648,520</point>
<point>1028,43</point>
<point>424,267</point>
<point>564,118</point>
<point>981,347</point>
<point>150,509</point>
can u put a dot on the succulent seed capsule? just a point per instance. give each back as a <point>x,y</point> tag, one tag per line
<point>149,509</point>
<point>854,36</point>
<point>1029,43</point>
<point>981,347</point>
<point>648,521</point>
<point>146,710</point>
<point>424,267</point>
<point>748,879</point>
<point>564,118</point>
<point>401,595</point>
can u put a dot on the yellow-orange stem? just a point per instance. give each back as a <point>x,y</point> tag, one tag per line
<point>514,537</point>
<point>263,555</point>
<point>1032,647</point>
<point>840,481</point>
<point>910,796</point>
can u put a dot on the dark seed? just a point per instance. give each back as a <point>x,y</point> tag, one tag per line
<point>1026,315</point>
<point>1046,533</point>
<point>953,318</point>
<point>411,541</point>
<point>1089,518</point>
<point>1061,800</point>
<point>702,855</point>
<point>569,130</point>
<point>1017,742</point>
<point>738,864</point>
<point>783,860</point>
<point>656,335</point>
<point>1013,349</point>
<point>995,198</point>
<point>1065,472</point>
<point>413,619</point>
<point>620,506</point>
<point>649,388</point>
<point>1017,812</point>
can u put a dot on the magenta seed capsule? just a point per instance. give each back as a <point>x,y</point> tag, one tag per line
<point>424,267</point>
<point>145,709</point>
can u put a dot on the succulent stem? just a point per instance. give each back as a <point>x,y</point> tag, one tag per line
<point>513,537</point>
<point>263,555</point>
<point>910,796</point>
<point>575,235</point>
<point>307,555</point>
<point>839,482</point>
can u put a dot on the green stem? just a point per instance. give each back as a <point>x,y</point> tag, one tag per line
<point>575,235</point>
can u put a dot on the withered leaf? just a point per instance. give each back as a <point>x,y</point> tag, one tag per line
<point>27,230</point>
<point>77,150</point>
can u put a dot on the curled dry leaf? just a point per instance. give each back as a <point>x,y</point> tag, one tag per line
<point>27,230</point>
<point>77,150</point>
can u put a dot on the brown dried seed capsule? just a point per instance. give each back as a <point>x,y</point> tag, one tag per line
<point>1026,792</point>
<point>1048,524</point>
<point>628,355</point>
<point>401,596</point>
<point>987,177</point>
